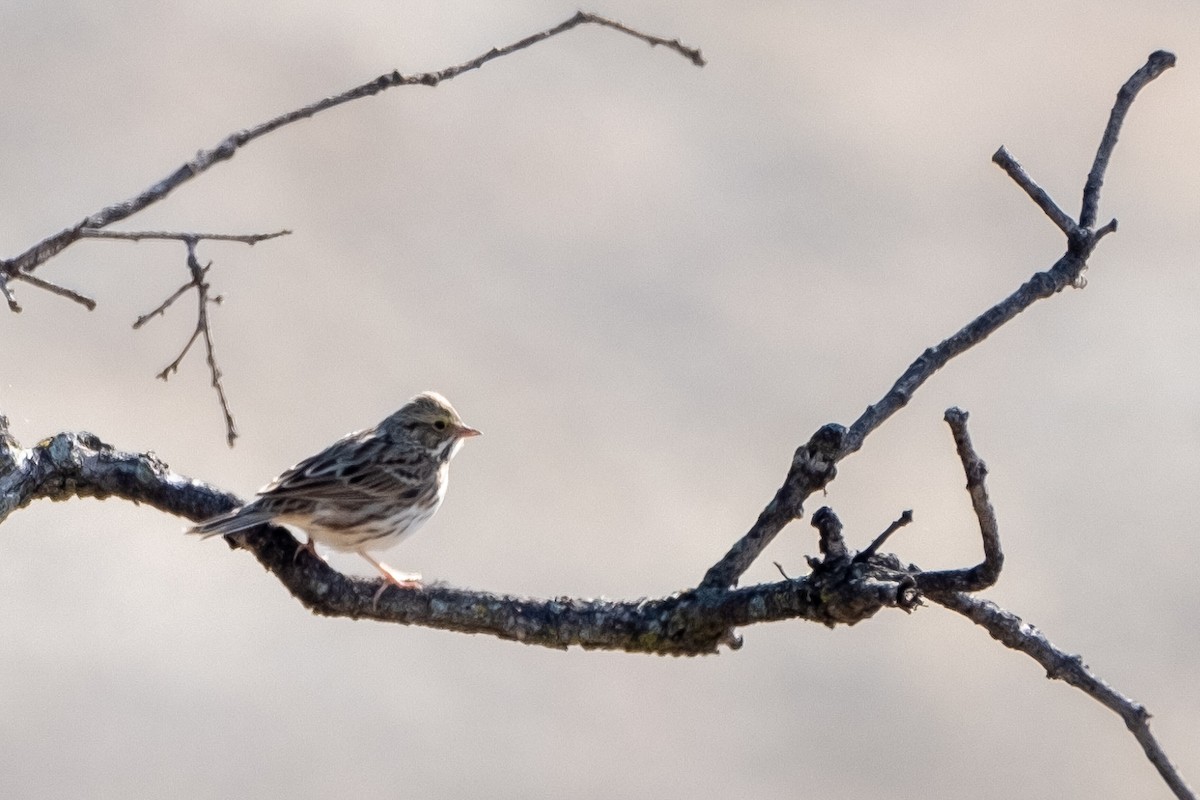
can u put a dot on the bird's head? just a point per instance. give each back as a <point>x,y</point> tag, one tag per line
<point>429,420</point>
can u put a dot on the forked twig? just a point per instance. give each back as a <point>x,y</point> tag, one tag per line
<point>202,329</point>
<point>224,150</point>
<point>92,227</point>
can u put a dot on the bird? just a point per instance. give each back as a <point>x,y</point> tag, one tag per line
<point>366,491</point>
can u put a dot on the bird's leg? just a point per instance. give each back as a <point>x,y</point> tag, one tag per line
<point>311,547</point>
<point>401,580</point>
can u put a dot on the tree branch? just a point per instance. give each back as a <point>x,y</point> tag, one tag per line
<point>23,265</point>
<point>9,297</point>
<point>986,573</point>
<point>162,309</point>
<point>54,288</point>
<point>691,622</point>
<point>182,236</point>
<point>224,150</point>
<point>1159,62</point>
<point>905,518</point>
<point>842,588</point>
<point>832,443</point>
<point>1003,159</point>
<point>1013,632</point>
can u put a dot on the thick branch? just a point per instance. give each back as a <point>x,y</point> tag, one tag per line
<point>840,590</point>
<point>693,622</point>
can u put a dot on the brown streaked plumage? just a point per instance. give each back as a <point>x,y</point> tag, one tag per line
<point>366,491</point>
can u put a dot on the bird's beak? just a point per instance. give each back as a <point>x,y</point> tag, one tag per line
<point>466,432</point>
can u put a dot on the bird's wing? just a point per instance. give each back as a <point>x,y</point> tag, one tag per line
<point>357,468</point>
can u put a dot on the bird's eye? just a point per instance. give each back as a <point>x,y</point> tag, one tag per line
<point>440,424</point>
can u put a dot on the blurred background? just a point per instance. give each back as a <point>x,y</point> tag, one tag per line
<point>647,283</point>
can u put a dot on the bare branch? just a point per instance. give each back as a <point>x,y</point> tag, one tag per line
<point>202,329</point>
<point>830,540</point>
<point>1111,227</point>
<point>1013,632</point>
<point>1037,193</point>
<point>690,53</point>
<point>693,622</point>
<point>46,249</point>
<point>173,367</point>
<point>1159,62</point>
<point>11,298</point>
<point>839,590</point>
<point>136,236</point>
<point>982,575</point>
<point>54,288</point>
<point>203,300</point>
<point>904,519</point>
<point>833,442</point>
<point>162,309</point>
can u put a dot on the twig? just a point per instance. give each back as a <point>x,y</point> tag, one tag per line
<point>986,573</point>
<point>227,147</point>
<point>231,433</point>
<point>694,622</point>
<point>173,367</point>
<point>690,53</point>
<point>54,288</point>
<point>202,326</point>
<point>136,236</point>
<point>13,305</point>
<point>202,329</point>
<point>1037,193</point>
<point>830,540</point>
<point>835,442</point>
<point>162,308</point>
<point>904,519</point>
<point>1159,62</point>
<point>1013,632</point>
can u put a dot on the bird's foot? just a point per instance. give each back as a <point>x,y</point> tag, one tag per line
<point>401,580</point>
<point>311,547</point>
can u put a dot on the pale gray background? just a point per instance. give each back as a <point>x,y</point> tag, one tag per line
<point>646,283</point>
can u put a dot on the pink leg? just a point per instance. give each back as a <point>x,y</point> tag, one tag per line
<point>311,547</point>
<point>401,580</point>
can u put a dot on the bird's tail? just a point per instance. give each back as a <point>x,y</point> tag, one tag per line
<point>239,519</point>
